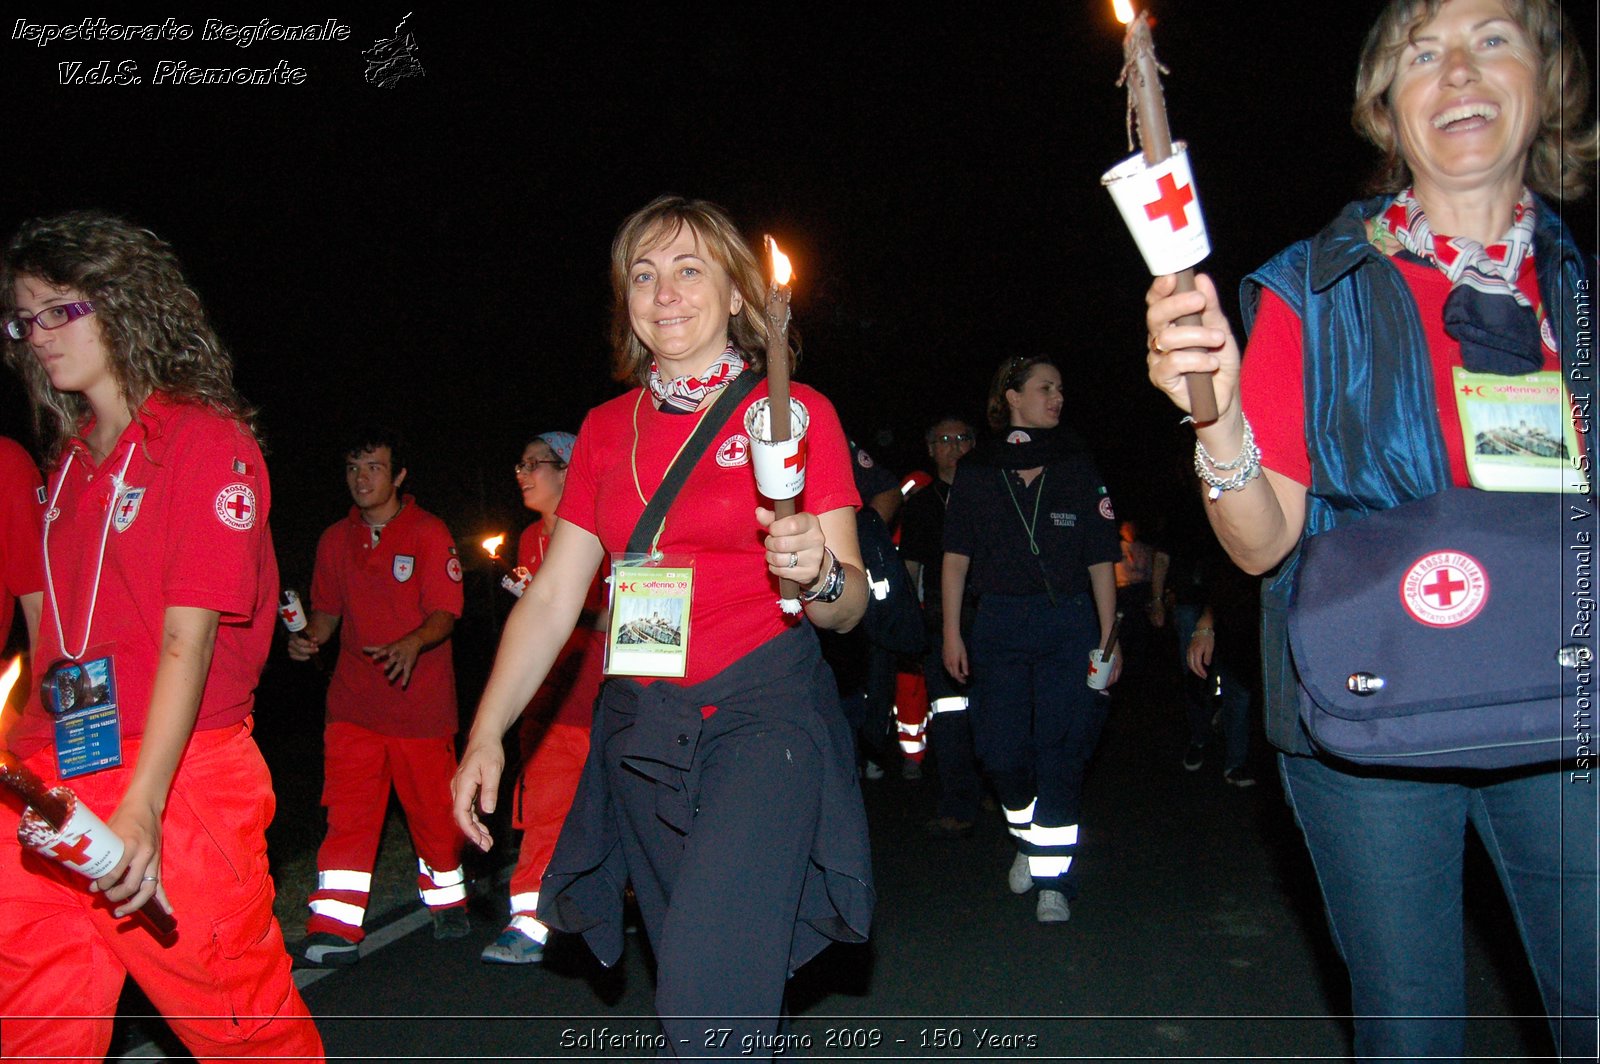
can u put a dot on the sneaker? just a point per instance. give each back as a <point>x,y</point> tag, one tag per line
<point>329,950</point>
<point>451,923</point>
<point>1194,757</point>
<point>1020,879</point>
<point>1239,777</point>
<point>513,947</point>
<point>1052,908</point>
<point>872,770</point>
<point>911,770</point>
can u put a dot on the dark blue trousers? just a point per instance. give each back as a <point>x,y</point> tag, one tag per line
<point>1036,722</point>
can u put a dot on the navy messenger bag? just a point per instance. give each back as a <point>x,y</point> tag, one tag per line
<point>1453,631</point>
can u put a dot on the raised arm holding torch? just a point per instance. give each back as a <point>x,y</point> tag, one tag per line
<point>1155,190</point>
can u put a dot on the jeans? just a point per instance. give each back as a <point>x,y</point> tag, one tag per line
<point>1388,848</point>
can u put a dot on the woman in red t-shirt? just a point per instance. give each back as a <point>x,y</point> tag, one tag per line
<point>160,583</point>
<point>555,726</point>
<point>727,797</point>
<point>1362,338</point>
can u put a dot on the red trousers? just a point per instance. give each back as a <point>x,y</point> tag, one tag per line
<point>223,982</point>
<point>359,767</point>
<point>555,744</point>
<point>911,713</point>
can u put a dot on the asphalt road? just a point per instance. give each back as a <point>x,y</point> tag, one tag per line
<point>1198,935</point>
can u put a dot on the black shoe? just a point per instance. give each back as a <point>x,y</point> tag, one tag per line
<point>330,951</point>
<point>451,923</point>
<point>1239,777</point>
<point>1194,757</point>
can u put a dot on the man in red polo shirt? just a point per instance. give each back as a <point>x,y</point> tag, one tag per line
<point>389,572</point>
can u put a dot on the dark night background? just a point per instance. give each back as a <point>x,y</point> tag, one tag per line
<point>434,254</point>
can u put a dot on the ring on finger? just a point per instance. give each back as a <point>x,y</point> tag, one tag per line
<point>149,879</point>
<point>794,559</point>
<point>1155,344</point>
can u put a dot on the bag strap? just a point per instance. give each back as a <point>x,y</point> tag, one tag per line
<point>656,512</point>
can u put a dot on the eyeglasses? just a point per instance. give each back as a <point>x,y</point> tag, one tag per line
<point>19,328</point>
<point>529,467</point>
<point>947,439</point>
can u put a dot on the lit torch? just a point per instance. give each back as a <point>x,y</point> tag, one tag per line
<point>777,445</point>
<point>1155,190</point>
<point>513,579</point>
<point>61,827</point>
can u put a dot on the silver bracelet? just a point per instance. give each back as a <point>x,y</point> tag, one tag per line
<point>1245,468</point>
<point>832,587</point>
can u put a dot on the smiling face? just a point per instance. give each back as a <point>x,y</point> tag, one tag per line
<point>1465,101</point>
<point>541,481</point>
<point>374,484</point>
<point>75,357</point>
<point>1037,404</point>
<point>679,303</point>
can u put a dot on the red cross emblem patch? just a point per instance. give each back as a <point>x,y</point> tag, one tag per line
<point>1444,589</point>
<point>734,452</point>
<point>236,506</point>
<point>452,569</point>
<point>404,566</point>
<point>127,509</point>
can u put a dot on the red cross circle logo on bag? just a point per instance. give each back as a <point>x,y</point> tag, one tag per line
<point>1444,589</point>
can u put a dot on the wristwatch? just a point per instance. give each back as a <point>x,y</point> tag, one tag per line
<point>832,587</point>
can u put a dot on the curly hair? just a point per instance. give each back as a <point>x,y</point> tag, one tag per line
<point>1010,377</point>
<point>1567,143</point>
<point>155,329</point>
<point>659,222</point>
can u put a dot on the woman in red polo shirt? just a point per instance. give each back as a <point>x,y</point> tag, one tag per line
<point>160,584</point>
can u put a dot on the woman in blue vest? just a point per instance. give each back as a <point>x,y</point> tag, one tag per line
<point>1462,265</point>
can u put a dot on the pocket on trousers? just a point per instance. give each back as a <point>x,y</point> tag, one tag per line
<point>251,963</point>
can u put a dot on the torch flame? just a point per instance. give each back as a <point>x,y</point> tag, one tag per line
<point>781,271</point>
<point>8,679</point>
<point>491,546</point>
<point>1123,10</point>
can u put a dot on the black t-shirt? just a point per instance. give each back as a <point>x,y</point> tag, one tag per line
<point>1069,512</point>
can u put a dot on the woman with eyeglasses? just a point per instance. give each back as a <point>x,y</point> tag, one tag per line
<point>161,585</point>
<point>726,795</point>
<point>554,733</point>
<point>1031,525</point>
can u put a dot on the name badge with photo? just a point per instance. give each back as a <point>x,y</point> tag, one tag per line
<point>1517,432</point>
<point>649,630</point>
<point>82,697</point>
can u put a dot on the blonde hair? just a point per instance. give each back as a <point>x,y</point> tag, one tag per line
<point>660,222</point>
<point>1566,144</point>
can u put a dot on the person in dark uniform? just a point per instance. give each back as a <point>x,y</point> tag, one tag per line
<point>922,545</point>
<point>1031,523</point>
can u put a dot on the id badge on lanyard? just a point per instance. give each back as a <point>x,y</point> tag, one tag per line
<point>81,698</point>
<point>1517,432</point>
<point>649,630</point>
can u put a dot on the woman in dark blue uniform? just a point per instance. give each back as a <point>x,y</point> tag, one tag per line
<point>1029,517</point>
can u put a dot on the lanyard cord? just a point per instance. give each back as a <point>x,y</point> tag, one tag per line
<point>119,486</point>
<point>633,461</point>
<point>1027,526</point>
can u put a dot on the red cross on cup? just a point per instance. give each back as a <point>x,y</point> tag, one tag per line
<point>1172,203</point>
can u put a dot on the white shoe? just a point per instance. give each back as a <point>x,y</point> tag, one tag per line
<point>1052,908</point>
<point>1020,879</point>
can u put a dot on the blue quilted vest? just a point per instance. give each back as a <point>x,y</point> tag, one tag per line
<point>1370,432</point>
